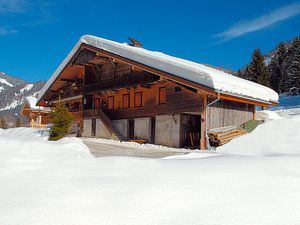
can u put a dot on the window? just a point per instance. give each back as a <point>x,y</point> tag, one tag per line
<point>76,105</point>
<point>162,95</point>
<point>138,99</point>
<point>97,103</point>
<point>126,101</point>
<point>111,102</point>
<point>178,89</point>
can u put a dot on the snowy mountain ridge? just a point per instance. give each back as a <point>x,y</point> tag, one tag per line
<point>12,93</point>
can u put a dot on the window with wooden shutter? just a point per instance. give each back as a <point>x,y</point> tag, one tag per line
<point>138,96</point>
<point>162,95</point>
<point>111,102</point>
<point>126,101</point>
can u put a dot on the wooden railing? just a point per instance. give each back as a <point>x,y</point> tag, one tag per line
<point>38,125</point>
<point>121,82</point>
<point>68,92</point>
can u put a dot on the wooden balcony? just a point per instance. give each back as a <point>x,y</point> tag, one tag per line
<point>89,113</point>
<point>121,82</point>
<point>68,92</point>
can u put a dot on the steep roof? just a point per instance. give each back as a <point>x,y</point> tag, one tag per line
<point>31,102</point>
<point>214,79</point>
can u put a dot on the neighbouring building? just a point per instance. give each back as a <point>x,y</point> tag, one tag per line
<point>125,92</point>
<point>37,116</point>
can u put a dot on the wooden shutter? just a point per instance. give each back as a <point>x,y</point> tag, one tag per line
<point>138,98</point>
<point>126,101</point>
<point>162,95</point>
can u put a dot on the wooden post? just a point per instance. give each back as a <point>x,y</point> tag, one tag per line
<point>203,141</point>
<point>254,113</point>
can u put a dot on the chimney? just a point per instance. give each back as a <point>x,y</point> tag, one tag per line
<point>134,43</point>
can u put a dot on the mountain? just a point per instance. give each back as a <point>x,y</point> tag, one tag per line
<point>283,65</point>
<point>12,94</point>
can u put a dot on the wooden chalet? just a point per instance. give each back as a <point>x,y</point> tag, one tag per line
<point>37,116</point>
<point>126,92</point>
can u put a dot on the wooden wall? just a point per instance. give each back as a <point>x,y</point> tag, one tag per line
<point>228,113</point>
<point>178,99</point>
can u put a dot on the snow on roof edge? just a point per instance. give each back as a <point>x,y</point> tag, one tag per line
<point>32,102</point>
<point>198,73</point>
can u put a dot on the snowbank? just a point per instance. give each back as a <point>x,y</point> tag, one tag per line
<point>266,115</point>
<point>195,72</point>
<point>56,183</point>
<point>281,136</point>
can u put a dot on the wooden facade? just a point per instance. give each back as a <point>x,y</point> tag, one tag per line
<point>37,117</point>
<point>130,100</point>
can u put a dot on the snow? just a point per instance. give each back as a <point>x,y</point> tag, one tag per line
<point>28,87</point>
<point>12,105</point>
<point>55,183</point>
<point>3,81</point>
<point>267,115</point>
<point>285,140</point>
<point>31,101</point>
<point>195,72</point>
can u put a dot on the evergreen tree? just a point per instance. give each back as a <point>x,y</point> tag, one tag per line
<point>257,70</point>
<point>239,73</point>
<point>3,124</point>
<point>18,122</point>
<point>293,71</point>
<point>277,69</point>
<point>61,119</point>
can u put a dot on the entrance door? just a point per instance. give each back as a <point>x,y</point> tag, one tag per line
<point>93,127</point>
<point>191,128</point>
<point>130,129</point>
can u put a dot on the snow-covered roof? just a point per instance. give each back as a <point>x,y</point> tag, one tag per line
<point>198,73</point>
<point>31,101</point>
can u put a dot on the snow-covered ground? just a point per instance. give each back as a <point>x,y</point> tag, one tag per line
<point>252,180</point>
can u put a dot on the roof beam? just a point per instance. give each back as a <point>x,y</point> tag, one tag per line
<point>67,80</point>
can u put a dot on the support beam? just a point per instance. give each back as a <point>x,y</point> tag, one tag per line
<point>203,141</point>
<point>67,80</point>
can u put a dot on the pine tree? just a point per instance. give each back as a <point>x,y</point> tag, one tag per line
<point>61,119</point>
<point>18,122</point>
<point>3,124</point>
<point>257,70</point>
<point>239,73</point>
<point>277,69</point>
<point>292,79</point>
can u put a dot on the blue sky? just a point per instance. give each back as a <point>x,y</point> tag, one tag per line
<point>35,36</point>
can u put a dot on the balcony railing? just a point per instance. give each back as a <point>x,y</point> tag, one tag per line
<point>121,82</point>
<point>68,92</point>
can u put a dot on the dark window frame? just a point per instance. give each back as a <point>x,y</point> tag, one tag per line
<point>141,102</point>
<point>123,101</point>
<point>113,102</point>
<point>160,102</point>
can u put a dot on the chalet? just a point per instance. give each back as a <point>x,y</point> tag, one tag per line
<point>126,92</point>
<point>38,116</point>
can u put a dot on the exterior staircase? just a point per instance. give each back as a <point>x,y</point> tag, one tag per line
<point>111,127</point>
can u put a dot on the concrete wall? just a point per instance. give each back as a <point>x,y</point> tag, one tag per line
<point>122,126</point>
<point>101,130</point>
<point>167,130</point>
<point>142,128</point>
<point>87,128</point>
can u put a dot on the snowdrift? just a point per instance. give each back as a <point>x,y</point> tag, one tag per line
<point>279,136</point>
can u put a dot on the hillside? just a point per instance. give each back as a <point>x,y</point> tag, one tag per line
<point>283,66</point>
<point>12,94</point>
